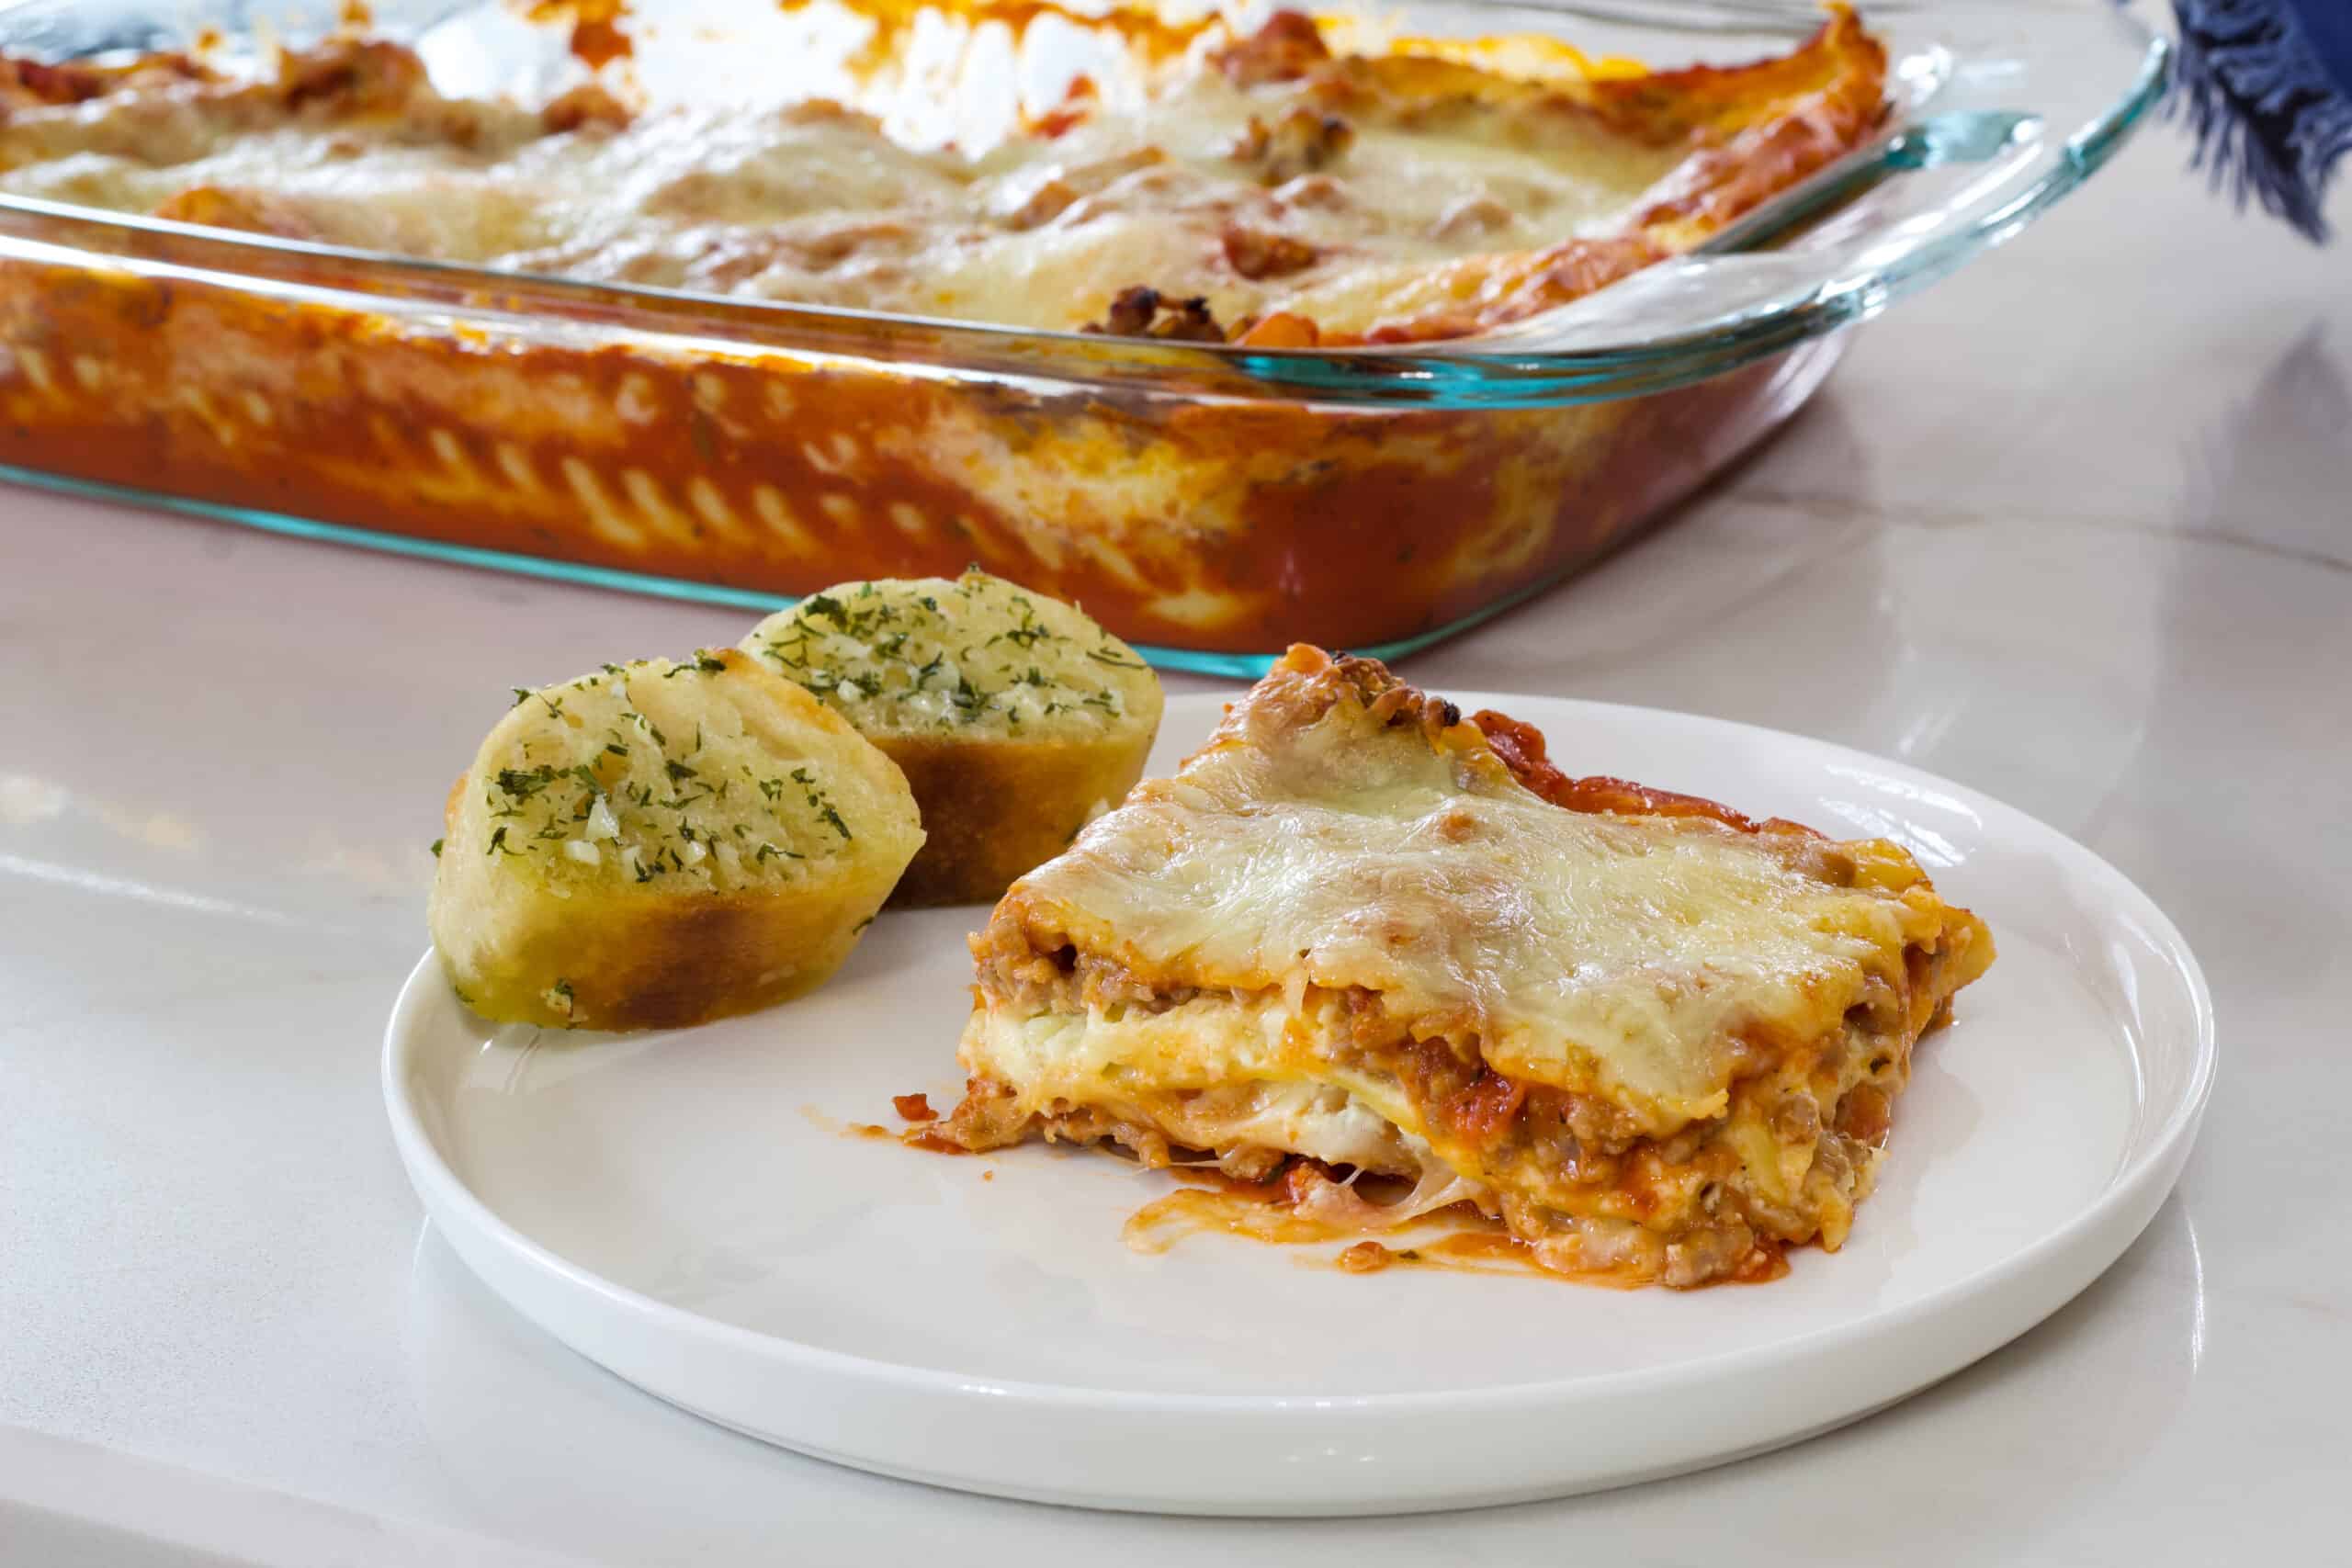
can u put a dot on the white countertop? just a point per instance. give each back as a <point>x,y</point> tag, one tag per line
<point>2074,527</point>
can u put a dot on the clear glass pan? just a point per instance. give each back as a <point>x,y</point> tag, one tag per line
<point>1997,110</point>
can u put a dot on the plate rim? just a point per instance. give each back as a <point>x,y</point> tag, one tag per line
<point>2157,1159</point>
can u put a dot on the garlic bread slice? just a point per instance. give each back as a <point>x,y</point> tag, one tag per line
<point>659,843</point>
<point>1014,716</point>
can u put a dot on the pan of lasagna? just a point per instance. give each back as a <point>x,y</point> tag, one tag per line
<point>1236,325</point>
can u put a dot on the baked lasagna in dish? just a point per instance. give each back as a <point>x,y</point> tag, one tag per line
<point>1361,935</point>
<point>1268,190</point>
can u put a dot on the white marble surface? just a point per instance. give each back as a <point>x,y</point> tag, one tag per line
<point>2075,527</point>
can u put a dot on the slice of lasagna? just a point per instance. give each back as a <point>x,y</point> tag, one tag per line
<point>1357,934</point>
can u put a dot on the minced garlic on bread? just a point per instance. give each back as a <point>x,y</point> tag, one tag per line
<point>658,844</point>
<point>1015,717</point>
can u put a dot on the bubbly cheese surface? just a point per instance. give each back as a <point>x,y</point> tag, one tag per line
<point>1624,956</point>
<point>1251,196</point>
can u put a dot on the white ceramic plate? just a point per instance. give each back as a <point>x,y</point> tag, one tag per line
<point>684,1209</point>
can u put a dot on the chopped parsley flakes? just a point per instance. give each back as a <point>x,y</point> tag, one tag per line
<point>981,651</point>
<point>639,809</point>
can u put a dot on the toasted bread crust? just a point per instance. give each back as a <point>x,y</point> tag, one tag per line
<point>994,809</point>
<point>662,961</point>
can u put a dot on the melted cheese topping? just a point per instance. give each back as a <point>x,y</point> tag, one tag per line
<point>1211,189</point>
<point>1626,957</point>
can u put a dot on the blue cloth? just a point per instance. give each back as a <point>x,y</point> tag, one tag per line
<point>2265,87</point>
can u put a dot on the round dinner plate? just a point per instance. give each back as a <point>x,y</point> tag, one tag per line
<point>696,1210</point>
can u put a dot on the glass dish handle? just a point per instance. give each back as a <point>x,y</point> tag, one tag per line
<point>1975,153</point>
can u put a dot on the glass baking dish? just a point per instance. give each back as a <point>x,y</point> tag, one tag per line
<point>1210,503</point>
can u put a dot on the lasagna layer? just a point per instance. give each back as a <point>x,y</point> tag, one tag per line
<point>1661,1043</point>
<point>1268,189</point>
